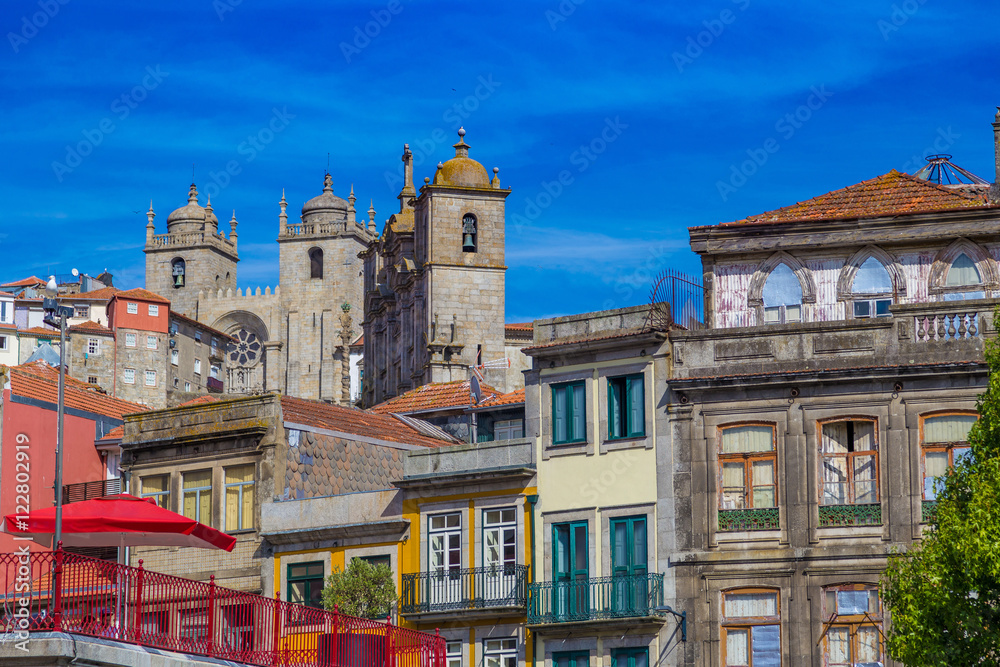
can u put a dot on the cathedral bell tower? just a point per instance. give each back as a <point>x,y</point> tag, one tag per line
<point>193,255</point>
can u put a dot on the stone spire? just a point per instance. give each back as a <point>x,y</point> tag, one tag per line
<point>461,148</point>
<point>371,218</point>
<point>408,192</point>
<point>351,212</point>
<point>193,194</point>
<point>209,212</point>
<point>328,184</point>
<point>232,229</point>
<point>496,177</point>
<point>282,217</point>
<point>150,227</point>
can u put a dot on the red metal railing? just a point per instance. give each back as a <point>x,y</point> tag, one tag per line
<point>59,591</point>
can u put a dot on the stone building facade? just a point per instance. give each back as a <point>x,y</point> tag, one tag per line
<point>295,338</point>
<point>434,281</point>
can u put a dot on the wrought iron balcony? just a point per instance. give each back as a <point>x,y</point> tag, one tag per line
<point>850,515</point>
<point>472,588</point>
<point>605,598</point>
<point>74,493</point>
<point>753,518</point>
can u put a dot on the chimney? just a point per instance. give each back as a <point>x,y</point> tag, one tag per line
<point>995,188</point>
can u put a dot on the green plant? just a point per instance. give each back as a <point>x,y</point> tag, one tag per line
<point>362,589</point>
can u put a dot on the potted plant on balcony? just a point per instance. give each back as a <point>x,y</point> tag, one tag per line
<point>362,590</point>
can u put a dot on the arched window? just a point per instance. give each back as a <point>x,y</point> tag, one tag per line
<point>872,290</point>
<point>944,441</point>
<point>315,263</point>
<point>751,627</point>
<point>177,270</point>
<point>852,634</point>
<point>963,273</point>
<point>469,233</point>
<point>782,296</point>
<point>849,472</point>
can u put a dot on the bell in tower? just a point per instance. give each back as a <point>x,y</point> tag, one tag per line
<point>469,233</point>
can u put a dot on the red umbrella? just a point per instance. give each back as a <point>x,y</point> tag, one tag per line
<point>120,520</point>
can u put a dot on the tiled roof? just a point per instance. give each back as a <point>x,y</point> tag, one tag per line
<point>103,294</point>
<point>92,327</point>
<point>437,396</point>
<point>40,381</point>
<point>4,325</point>
<point>519,326</point>
<point>139,293</point>
<point>359,341</point>
<point>358,422</point>
<point>894,193</point>
<point>207,398</point>
<point>39,331</point>
<point>200,325</point>
<point>515,397</point>
<point>117,433</point>
<point>25,282</point>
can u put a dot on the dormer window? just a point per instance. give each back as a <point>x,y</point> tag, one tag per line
<point>963,273</point>
<point>782,296</point>
<point>469,233</point>
<point>177,270</point>
<point>872,290</point>
<point>316,263</point>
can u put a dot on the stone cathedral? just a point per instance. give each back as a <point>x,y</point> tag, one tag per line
<point>428,292</point>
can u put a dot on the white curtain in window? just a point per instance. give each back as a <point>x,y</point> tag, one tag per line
<point>835,439</point>
<point>948,428</point>
<point>737,648</point>
<point>865,490</point>
<point>747,439</point>
<point>751,605</point>
<point>935,465</point>
<point>834,480</point>
<point>733,485</point>
<point>838,646</point>
<point>963,271</point>
<point>864,436</point>
<point>869,650</point>
<point>763,483</point>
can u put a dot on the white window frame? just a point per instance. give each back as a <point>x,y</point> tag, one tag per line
<point>214,371</point>
<point>197,366</point>
<point>128,376</point>
<point>500,652</point>
<point>3,342</point>
<point>81,310</point>
<point>151,342</point>
<point>130,340</point>
<point>131,308</point>
<point>187,386</point>
<point>154,310</point>
<point>94,346</point>
<point>150,378</point>
<point>175,357</point>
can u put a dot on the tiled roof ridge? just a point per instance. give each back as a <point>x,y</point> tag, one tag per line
<point>800,211</point>
<point>90,325</point>
<point>99,294</point>
<point>174,313</point>
<point>39,381</point>
<point>141,293</point>
<point>30,280</point>
<point>429,397</point>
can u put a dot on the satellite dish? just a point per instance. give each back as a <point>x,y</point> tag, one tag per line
<point>75,273</point>
<point>476,389</point>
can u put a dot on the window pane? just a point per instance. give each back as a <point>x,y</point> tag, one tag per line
<point>838,646</point>
<point>835,440</point>
<point>865,485</point>
<point>948,428</point>
<point>834,480</point>
<point>782,287</point>
<point>963,271</point>
<point>749,438</point>
<point>636,407</point>
<point>864,436</point>
<point>737,648</point>
<point>882,307</point>
<point>793,313</point>
<point>868,645</point>
<point>616,395</point>
<point>766,646</point>
<point>961,453</point>
<point>193,480</point>
<point>578,413</point>
<point>872,278</point>
<point>559,413</point>
<point>852,602</point>
<point>763,483</point>
<point>733,489</point>
<point>751,605</point>
<point>935,465</point>
<point>862,309</point>
<point>772,315</point>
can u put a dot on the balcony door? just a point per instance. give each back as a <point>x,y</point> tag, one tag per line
<point>630,590</point>
<point>445,559</point>
<point>570,571</point>
<point>499,580</point>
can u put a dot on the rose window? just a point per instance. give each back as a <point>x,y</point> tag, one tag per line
<point>246,350</point>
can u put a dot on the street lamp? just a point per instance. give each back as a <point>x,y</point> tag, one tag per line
<point>680,617</point>
<point>55,316</point>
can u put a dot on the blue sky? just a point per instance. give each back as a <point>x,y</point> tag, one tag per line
<point>650,107</point>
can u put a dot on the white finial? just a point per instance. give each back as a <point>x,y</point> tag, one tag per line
<point>461,131</point>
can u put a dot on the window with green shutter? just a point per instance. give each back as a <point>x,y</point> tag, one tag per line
<point>626,407</point>
<point>569,413</point>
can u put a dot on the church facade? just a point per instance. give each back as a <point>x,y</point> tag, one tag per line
<point>295,339</point>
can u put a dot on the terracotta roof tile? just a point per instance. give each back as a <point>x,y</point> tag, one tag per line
<point>139,293</point>
<point>25,282</point>
<point>515,397</point>
<point>39,331</point>
<point>894,193</point>
<point>358,422</point>
<point>519,326</point>
<point>437,396</point>
<point>360,341</point>
<point>117,433</point>
<point>103,294</point>
<point>8,326</point>
<point>200,325</point>
<point>207,398</point>
<point>40,381</point>
<point>91,327</point>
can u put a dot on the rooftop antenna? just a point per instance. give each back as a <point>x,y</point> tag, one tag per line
<point>328,163</point>
<point>192,172</point>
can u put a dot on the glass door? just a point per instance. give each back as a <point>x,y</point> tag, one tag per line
<point>445,560</point>
<point>570,571</point>
<point>499,580</point>
<point>630,594</point>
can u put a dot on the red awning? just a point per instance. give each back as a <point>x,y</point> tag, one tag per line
<point>120,520</point>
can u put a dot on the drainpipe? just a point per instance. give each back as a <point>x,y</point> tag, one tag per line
<point>532,500</point>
